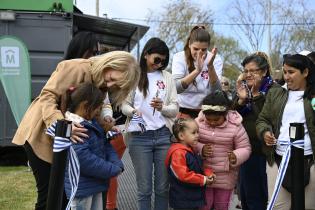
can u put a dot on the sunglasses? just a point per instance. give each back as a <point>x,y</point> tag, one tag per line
<point>225,83</point>
<point>158,60</point>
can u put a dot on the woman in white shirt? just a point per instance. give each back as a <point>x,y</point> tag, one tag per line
<point>284,105</point>
<point>196,72</point>
<point>156,102</point>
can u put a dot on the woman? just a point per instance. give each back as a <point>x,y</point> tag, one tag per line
<point>154,100</point>
<point>83,45</point>
<point>252,87</point>
<point>114,72</point>
<point>196,72</point>
<point>226,87</point>
<point>284,105</point>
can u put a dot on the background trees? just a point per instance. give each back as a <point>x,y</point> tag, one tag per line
<point>285,26</point>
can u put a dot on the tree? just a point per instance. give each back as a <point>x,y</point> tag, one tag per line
<point>291,24</point>
<point>177,18</point>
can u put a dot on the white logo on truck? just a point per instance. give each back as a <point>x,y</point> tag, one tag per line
<point>10,57</point>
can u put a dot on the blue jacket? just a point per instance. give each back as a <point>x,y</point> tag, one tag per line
<point>191,192</point>
<point>98,162</point>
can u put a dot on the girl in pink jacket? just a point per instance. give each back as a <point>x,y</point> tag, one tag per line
<point>224,145</point>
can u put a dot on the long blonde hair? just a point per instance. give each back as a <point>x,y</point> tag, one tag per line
<point>121,61</point>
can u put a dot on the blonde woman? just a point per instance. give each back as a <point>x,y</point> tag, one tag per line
<point>113,72</point>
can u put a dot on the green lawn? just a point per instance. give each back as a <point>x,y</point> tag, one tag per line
<point>17,188</point>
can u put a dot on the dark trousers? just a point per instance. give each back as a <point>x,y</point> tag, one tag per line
<point>253,183</point>
<point>41,171</point>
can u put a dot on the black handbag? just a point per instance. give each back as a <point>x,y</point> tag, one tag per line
<point>286,183</point>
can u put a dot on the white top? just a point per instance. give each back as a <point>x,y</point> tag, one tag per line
<point>156,83</point>
<point>170,105</point>
<point>294,113</point>
<point>192,96</point>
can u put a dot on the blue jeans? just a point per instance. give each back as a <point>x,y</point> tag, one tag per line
<point>92,202</point>
<point>148,151</point>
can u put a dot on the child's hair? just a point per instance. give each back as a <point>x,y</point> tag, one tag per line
<point>180,125</point>
<point>215,103</point>
<point>72,98</point>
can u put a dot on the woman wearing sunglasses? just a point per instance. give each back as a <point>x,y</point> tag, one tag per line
<point>155,100</point>
<point>284,105</point>
<point>196,72</point>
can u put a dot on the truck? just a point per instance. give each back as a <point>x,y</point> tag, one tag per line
<point>46,27</point>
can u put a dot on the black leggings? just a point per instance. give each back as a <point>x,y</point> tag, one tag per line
<point>41,171</point>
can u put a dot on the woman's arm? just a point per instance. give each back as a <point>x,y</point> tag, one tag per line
<point>127,106</point>
<point>263,122</point>
<point>67,74</point>
<point>182,79</point>
<point>170,107</point>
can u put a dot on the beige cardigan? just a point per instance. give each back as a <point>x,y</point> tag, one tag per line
<point>44,109</point>
<point>170,105</point>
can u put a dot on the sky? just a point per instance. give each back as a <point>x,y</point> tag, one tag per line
<point>129,10</point>
<point>136,9</point>
<point>126,10</point>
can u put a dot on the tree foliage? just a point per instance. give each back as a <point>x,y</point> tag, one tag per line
<point>291,24</point>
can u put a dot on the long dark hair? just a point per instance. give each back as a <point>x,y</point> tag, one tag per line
<point>72,98</point>
<point>302,63</point>
<point>153,45</point>
<point>197,34</point>
<point>82,42</point>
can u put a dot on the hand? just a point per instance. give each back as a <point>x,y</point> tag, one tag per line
<point>107,123</point>
<point>135,111</point>
<point>232,158</point>
<point>200,60</point>
<point>210,179</point>
<point>210,64</point>
<point>207,150</point>
<point>269,138</point>
<point>157,103</point>
<point>78,132</point>
<point>241,90</point>
<point>116,128</point>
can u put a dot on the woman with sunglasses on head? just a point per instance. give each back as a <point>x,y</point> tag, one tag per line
<point>196,72</point>
<point>156,102</point>
<point>284,105</point>
<point>252,87</point>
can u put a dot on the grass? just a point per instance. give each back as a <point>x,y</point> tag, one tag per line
<point>17,188</point>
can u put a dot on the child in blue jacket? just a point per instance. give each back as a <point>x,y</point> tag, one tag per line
<point>98,160</point>
<point>186,174</point>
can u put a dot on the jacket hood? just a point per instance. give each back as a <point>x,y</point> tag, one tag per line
<point>173,148</point>
<point>232,116</point>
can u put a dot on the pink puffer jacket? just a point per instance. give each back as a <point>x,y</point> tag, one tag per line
<point>230,136</point>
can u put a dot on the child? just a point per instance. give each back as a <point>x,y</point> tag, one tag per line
<point>224,144</point>
<point>185,168</point>
<point>98,161</point>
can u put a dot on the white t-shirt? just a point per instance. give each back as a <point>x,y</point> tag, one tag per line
<point>192,96</point>
<point>156,83</point>
<point>294,113</point>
